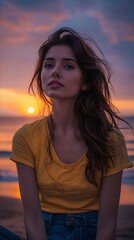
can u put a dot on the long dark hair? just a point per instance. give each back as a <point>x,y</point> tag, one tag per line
<point>93,108</point>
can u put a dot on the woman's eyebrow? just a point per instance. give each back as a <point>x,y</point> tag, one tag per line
<point>49,59</point>
<point>63,59</point>
<point>69,59</point>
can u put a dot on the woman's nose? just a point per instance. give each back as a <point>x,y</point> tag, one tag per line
<point>56,72</point>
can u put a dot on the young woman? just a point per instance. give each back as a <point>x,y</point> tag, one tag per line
<point>70,163</point>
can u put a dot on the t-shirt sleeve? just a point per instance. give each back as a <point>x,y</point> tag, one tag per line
<point>121,159</point>
<point>22,148</point>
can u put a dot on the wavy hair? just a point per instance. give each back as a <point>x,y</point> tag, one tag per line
<point>93,108</point>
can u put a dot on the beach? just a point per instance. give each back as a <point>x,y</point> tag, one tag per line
<point>11,216</point>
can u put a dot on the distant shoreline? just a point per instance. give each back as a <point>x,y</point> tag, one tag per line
<point>40,116</point>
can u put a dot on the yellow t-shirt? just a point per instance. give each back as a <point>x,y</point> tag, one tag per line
<point>63,188</point>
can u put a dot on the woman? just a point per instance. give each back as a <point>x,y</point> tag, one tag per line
<point>70,163</point>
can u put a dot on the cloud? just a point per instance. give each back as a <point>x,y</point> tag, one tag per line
<point>115,30</point>
<point>123,84</point>
<point>20,19</point>
<point>39,5</point>
<point>56,6</point>
<point>17,25</point>
<point>106,28</point>
<point>117,11</point>
<point>78,6</point>
<point>25,25</point>
<point>125,106</point>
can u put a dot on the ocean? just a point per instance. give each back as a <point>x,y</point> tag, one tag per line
<point>8,174</point>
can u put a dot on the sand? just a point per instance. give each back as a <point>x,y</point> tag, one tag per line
<point>11,216</point>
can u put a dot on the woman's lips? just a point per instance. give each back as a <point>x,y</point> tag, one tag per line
<point>55,84</point>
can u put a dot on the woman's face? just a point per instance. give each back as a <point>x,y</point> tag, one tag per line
<point>61,76</point>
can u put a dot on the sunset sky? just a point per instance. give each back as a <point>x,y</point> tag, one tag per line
<point>24,25</point>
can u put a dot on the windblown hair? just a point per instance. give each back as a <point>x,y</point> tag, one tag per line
<point>93,108</point>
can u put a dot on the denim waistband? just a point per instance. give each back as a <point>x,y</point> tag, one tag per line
<point>70,218</point>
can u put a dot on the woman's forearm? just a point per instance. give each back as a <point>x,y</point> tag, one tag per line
<point>108,207</point>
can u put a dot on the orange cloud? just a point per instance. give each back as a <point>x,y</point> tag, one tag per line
<point>125,106</point>
<point>18,25</point>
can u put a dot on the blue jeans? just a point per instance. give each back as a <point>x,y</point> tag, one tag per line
<point>6,234</point>
<point>80,226</point>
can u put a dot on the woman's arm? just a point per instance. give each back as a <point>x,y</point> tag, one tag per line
<point>34,223</point>
<point>108,210</point>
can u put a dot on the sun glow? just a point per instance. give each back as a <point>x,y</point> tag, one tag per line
<point>18,103</point>
<point>31,109</point>
<point>15,102</point>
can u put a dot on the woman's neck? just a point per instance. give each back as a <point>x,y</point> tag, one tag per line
<point>64,117</point>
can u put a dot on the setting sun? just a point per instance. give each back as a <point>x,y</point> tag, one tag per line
<point>30,109</point>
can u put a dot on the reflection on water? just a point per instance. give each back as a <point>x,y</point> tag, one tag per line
<point>10,189</point>
<point>127,194</point>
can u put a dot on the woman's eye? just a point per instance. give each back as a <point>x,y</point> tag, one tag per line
<point>68,67</point>
<point>48,65</point>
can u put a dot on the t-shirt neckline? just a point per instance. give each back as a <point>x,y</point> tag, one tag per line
<point>57,158</point>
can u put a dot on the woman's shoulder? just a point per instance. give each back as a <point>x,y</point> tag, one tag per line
<point>33,128</point>
<point>116,135</point>
<point>120,156</point>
